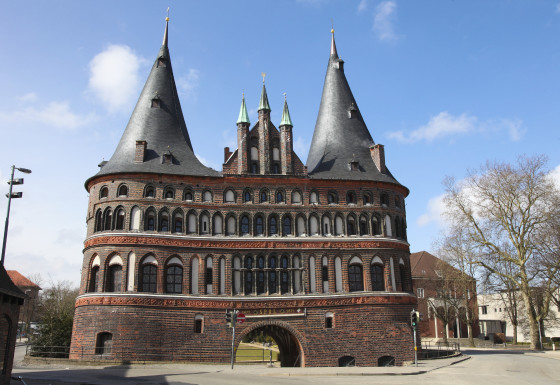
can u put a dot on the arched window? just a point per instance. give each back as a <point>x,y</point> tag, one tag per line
<point>169,193</point>
<point>388,230</point>
<point>230,225</point>
<point>351,225</point>
<point>329,320</point>
<point>300,226</point>
<point>296,197</point>
<point>375,227</point>
<point>178,222</point>
<point>247,196</point>
<point>325,274</point>
<point>332,197</point>
<point>377,275</point>
<point>194,275</point>
<point>188,195</point>
<point>222,276</point>
<point>217,224</point>
<point>104,192</point>
<point>297,287</point>
<point>312,275</point>
<point>98,221</point>
<point>204,223</point>
<point>259,225</point>
<point>313,197</point>
<point>191,223</point>
<point>114,278</point>
<point>326,222</point>
<point>338,274</point>
<point>135,218</point>
<point>398,202</point>
<point>272,280</point>
<point>313,225</point>
<point>149,278</point>
<point>107,219</point>
<point>122,191</point>
<point>263,196</point>
<point>93,279</point>
<point>284,275</point>
<point>209,275</point>
<point>351,197</point>
<point>104,343</point>
<point>150,220</point>
<point>244,225</point>
<point>338,225</point>
<point>287,226</point>
<point>261,287</point>
<point>119,225</point>
<point>279,196</point>
<point>363,225</point>
<point>368,200</point>
<point>236,275</point>
<point>164,221</point>
<point>272,226</point>
<point>402,274</point>
<point>174,279</point>
<point>355,278</point>
<point>229,196</point>
<point>384,200</point>
<point>207,196</point>
<point>149,192</point>
<point>248,275</point>
<point>199,324</point>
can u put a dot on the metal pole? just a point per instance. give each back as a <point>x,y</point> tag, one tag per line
<point>233,321</point>
<point>415,349</point>
<point>7,217</point>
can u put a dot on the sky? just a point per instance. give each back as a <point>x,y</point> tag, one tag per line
<point>444,85</point>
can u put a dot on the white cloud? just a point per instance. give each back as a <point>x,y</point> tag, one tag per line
<point>56,114</point>
<point>29,97</point>
<point>114,76</point>
<point>383,20</point>
<point>362,6</point>
<point>434,212</point>
<point>189,82</point>
<point>557,10</point>
<point>444,125</point>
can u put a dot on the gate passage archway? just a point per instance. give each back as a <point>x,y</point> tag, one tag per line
<point>291,352</point>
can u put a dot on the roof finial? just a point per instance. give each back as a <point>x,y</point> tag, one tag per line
<point>285,96</point>
<point>333,45</point>
<point>166,27</point>
<point>263,74</point>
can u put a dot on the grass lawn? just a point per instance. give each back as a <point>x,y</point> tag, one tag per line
<point>247,352</point>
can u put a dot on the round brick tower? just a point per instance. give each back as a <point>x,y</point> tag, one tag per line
<point>315,256</point>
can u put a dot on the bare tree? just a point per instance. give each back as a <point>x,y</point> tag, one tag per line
<point>456,250</point>
<point>507,211</point>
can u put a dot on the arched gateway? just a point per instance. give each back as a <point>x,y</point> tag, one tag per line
<point>287,338</point>
<point>316,255</point>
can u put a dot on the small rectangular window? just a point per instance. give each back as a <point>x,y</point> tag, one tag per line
<point>155,103</point>
<point>420,292</point>
<point>198,326</point>
<point>209,276</point>
<point>161,62</point>
<point>328,322</point>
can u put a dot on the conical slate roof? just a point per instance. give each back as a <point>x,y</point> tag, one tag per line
<point>341,135</point>
<point>163,128</point>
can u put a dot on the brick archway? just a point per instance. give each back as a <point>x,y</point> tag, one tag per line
<point>288,339</point>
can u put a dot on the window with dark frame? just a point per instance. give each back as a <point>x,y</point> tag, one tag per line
<point>377,278</point>
<point>355,278</point>
<point>94,280</point>
<point>174,279</point>
<point>115,278</point>
<point>198,326</point>
<point>104,343</point>
<point>328,322</point>
<point>149,278</point>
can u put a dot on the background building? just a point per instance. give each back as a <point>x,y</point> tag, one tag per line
<point>27,313</point>
<point>438,291</point>
<point>315,256</point>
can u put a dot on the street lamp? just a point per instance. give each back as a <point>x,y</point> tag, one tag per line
<point>11,195</point>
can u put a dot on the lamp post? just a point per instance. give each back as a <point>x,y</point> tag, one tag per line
<point>11,195</point>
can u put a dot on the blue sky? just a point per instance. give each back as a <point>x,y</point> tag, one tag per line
<point>444,85</point>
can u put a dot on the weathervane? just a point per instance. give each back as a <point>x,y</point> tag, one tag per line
<point>332,26</point>
<point>285,97</point>
<point>263,74</point>
<point>167,18</point>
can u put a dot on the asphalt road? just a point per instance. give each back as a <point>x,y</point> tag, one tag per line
<point>483,367</point>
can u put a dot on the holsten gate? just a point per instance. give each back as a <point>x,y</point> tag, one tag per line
<point>314,255</point>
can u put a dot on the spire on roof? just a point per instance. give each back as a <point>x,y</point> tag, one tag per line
<point>286,120</point>
<point>158,124</point>
<point>263,104</point>
<point>243,115</point>
<point>333,45</point>
<point>164,44</point>
<point>341,135</point>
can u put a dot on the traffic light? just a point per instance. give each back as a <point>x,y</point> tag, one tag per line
<point>414,318</point>
<point>228,318</point>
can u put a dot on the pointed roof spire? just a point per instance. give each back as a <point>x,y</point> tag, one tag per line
<point>286,120</point>
<point>333,45</point>
<point>243,115</point>
<point>341,135</point>
<point>157,120</point>
<point>164,44</point>
<point>263,104</point>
